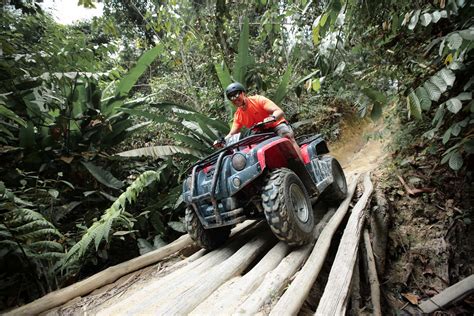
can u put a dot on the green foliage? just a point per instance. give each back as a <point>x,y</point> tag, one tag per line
<point>112,217</point>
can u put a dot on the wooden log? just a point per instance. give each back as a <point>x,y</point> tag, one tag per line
<point>355,290</point>
<point>276,280</point>
<point>449,295</point>
<point>185,301</point>
<point>373,279</point>
<point>107,276</point>
<point>379,221</point>
<point>162,288</point>
<point>294,297</point>
<point>334,298</point>
<point>225,301</point>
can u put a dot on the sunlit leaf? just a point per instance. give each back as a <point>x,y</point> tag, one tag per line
<point>159,151</point>
<point>439,82</point>
<point>414,19</point>
<point>414,107</point>
<point>433,91</point>
<point>454,41</point>
<point>423,96</point>
<point>456,161</point>
<point>425,19</point>
<point>454,105</point>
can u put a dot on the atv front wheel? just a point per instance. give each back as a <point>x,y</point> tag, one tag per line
<point>287,207</point>
<point>337,190</point>
<point>206,238</point>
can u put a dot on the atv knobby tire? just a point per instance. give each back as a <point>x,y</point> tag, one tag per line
<point>287,207</point>
<point>206,238</point>
<point>337,191</point>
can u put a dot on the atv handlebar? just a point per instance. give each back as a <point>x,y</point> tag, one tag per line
<point>262,123</point>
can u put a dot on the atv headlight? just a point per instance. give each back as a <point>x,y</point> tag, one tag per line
<point>239,161</point>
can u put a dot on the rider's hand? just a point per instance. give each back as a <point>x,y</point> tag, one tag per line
<point>270,118</point>
<point>219,143</point>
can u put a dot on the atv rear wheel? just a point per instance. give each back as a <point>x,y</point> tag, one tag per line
<point>287,207</point>
<point>206,238</point>
<point>337,191</point>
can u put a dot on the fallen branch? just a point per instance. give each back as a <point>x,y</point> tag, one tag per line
<point>449,295</point>
<point>334,298</point>
<point>414,191</point>
<point>294,297</point>
<point>373,279</point>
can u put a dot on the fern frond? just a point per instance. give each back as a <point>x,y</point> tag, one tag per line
<point>40,233</point>
<point>46,244</point>
<point>100,230</point>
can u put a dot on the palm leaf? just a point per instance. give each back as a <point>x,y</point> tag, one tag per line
<point>282,89</point>
<point>103,176</point>
<point>127,83</point>
<point>243,59</point>
<point>191,142</point>
<point>160,151</point>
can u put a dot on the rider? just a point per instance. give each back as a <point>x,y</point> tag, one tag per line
<point>256,109</point>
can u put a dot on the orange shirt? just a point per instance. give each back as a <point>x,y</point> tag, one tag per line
<point>254,113</point>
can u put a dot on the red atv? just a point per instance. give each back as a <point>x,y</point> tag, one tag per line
<point>260,176</point>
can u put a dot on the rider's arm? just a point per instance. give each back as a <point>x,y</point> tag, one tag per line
<point>272,109</point>
<point>234,130</point>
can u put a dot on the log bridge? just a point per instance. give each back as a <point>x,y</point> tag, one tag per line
<point>253,273</point>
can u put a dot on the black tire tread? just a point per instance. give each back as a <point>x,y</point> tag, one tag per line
<point>206,238</point>
<point>282,221</point>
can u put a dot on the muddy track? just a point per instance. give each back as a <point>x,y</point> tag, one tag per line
<point>253,272</point>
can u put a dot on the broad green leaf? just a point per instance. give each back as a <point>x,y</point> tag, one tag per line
<point>454,41</point>
<point>433,91</point>
<point>469,146</point>
<point>454,105</point>
<point>323,20</point>
<point>282,89</point>
<point>191,142</point>
<point>456,161</point>
<point>144,246</point>
<point>467,34</point>
<point>27,136</point>
<point>456,129</point>
<point>223,74</point>
<point>439,82</point>
<point>464,96</point>
<point>316,85</point>
<point>447,135</point>
<point>436,16</point>
<point>439,115</point>
<point>414,107</point>
<point>423,96</point>
<point>127,83</point>
<point>375,96</point>
<point>447,75</point>
<point>414,19</point>
<point>376,112</point>
<point>243,58</point>
<point>103,176</point>
<point>177,226</point>
<point>159,151</point>
<point>315,35</point>
<point>425,19</point>
<point>6,112</point>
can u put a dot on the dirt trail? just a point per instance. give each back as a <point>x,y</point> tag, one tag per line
<point>357,150</point>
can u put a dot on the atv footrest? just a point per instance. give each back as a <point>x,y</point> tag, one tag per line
<point>227,215</point>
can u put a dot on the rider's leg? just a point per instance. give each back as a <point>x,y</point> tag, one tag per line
<point>284,130</point>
